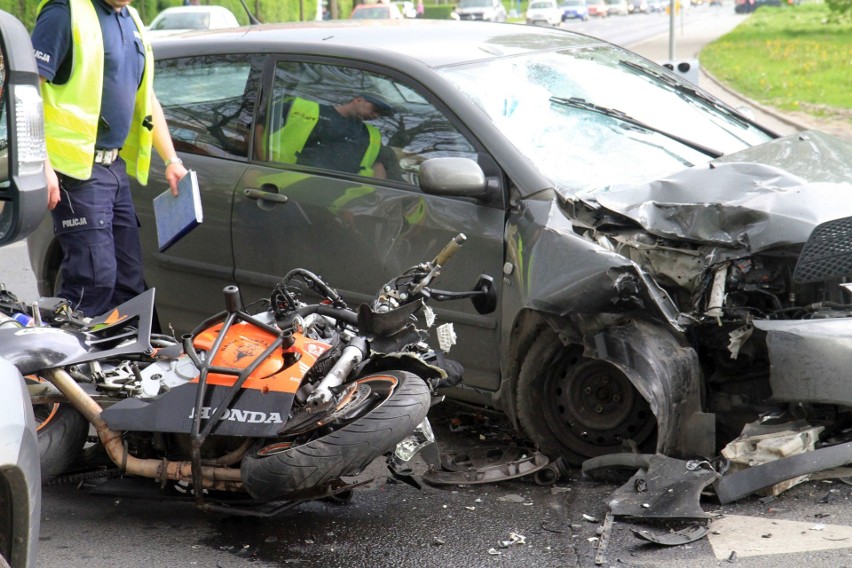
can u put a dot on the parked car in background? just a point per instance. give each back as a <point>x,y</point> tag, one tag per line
<point>181,19</point>
<point>574,10</point>
<point>376,12</point>
<point>544,13</point>
<point>639,7</point>
<point>617,7</point>
<point>406,8</point>
<point>484,10</point>
<point>637,297</point>
<point>597,8</point>
<point>656,6</point>
<point>748,6</point>
<point>23,198</point>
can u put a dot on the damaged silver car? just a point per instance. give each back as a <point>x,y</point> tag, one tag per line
<point>643,237</point>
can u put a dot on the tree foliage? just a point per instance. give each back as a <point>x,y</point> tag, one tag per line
<point>840,8</point>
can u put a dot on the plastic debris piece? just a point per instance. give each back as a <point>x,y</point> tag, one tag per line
<point>818,527</point>
<point>511,498</point>
<point>514,538</point>
<point>494,552</point>
<point>446,337</point>
<point>590,518</point>
<point>429,316</point>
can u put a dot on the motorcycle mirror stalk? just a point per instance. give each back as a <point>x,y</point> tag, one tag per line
<point>483,296</point>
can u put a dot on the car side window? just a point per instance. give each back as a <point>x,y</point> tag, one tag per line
<point>352,121</point>
<point>209,102</point>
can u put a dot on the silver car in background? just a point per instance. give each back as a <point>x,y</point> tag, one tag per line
<point>480,10</point>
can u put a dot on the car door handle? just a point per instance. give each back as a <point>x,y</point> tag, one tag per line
<point>265,195</point>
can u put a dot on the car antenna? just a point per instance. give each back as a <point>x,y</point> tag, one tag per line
<point>252,20</point>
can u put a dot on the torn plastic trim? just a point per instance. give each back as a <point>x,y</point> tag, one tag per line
<point>662,488</point>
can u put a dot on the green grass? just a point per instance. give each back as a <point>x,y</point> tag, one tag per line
<point>791,57</point>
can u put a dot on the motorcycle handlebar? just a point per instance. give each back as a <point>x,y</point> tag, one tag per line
<point>449,250</point>
<point>343,314</point>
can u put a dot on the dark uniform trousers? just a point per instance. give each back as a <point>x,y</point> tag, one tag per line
<point>96,225</point>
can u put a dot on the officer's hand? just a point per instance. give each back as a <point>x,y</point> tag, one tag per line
<point>174,172</point>
<point>52,187</point>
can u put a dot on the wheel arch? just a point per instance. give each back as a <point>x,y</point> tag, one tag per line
<point>661,367</point>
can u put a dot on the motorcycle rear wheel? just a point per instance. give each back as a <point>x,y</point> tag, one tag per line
<point>402,402</point>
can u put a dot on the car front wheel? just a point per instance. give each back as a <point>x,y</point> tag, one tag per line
<point>575,407</point>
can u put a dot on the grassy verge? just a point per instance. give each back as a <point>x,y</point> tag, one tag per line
<point>789,57</point>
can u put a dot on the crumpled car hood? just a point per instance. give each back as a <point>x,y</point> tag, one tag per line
<point>759,198</point>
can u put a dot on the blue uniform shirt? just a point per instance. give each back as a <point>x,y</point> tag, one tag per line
<point>124,62</point>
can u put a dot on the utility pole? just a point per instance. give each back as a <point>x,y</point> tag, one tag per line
<point>672,9</point>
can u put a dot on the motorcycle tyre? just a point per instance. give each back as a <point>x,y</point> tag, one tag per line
<point>347,450</point>
<point>61,436</point>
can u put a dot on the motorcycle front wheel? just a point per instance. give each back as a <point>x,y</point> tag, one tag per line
<point>399,401</point>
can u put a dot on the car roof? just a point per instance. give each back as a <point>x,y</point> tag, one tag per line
<point>435,43</point>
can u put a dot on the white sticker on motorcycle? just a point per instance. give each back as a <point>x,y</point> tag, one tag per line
<point>37,331</point>
<point>316,349</point>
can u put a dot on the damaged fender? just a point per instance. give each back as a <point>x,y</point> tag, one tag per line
<point>668,376</point>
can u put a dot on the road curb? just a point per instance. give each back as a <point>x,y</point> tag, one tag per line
<point>777,115</point>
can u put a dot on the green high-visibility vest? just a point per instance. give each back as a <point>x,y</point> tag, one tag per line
<point>302,118</point>
<point>72,110</point>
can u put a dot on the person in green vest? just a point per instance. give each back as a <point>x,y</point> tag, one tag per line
<point>333,137</point>
<point>101,121</point>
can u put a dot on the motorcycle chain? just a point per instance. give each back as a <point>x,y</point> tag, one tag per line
<point>82,477</point>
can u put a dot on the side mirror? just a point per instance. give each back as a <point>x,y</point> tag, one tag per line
<point>23,186</point>
<point>461,177</point>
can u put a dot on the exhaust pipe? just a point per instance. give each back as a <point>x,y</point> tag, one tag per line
<point>218,478</point>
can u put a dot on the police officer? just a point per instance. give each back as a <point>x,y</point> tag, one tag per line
<point>101,120</point>
<point>333,137</point>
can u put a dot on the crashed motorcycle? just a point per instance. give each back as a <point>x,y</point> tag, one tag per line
<point>255,410</point>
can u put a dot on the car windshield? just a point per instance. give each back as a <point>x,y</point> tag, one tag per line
<point>474,3</point>
<point>577,112</point>
<point>540,5</point>
<point>188,21</point>
<point>573,3</point>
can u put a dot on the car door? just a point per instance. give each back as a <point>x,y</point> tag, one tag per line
<point>357,230</point>
<point>209,104</point>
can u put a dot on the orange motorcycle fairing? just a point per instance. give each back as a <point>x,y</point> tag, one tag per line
<point>281,371</point>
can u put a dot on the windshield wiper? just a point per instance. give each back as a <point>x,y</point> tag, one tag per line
<point>576,102</point>
<point>692,92</point>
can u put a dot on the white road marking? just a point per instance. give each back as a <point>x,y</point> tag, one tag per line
<point>757,536</point>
